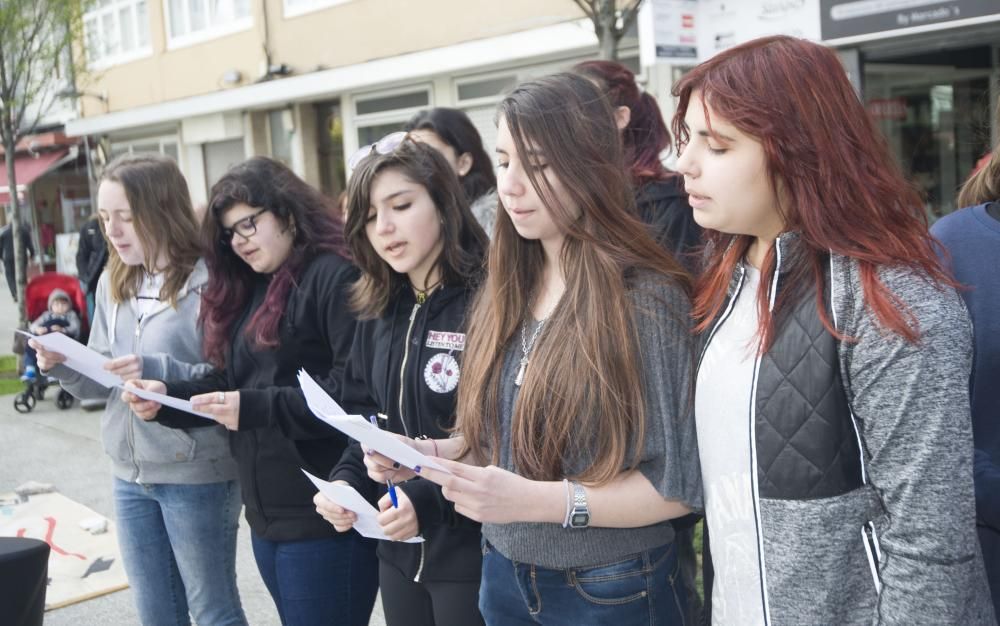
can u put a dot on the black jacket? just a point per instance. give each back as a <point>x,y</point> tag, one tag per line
<point>431,337</point>
<point>91,254</point>
<point>316,333</point>
<point>663,205</point>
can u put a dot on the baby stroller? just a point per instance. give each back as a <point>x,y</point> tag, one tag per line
<point>36,295</point>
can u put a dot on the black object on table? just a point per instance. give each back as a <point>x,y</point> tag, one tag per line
<point>24,573</point>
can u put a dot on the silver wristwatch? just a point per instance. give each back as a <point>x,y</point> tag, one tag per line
<point>579,515</point>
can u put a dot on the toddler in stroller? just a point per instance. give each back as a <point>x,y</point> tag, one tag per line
<point>58,316</point>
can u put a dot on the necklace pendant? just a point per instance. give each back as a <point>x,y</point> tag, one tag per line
<point>520,372</point>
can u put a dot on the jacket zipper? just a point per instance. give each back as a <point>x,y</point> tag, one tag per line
<point>130,438</point>
<point>772,294</point>
<point>402,420</point>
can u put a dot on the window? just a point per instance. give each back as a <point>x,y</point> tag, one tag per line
<point>380,114</point>
<point>116,31</point>
<point>281,126</point>
<point>294,8</point>
<point>162,145</point>
<point>193,21</point>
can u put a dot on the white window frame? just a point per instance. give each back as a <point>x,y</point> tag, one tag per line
<point>316,5</point>
<point>95,16</point>
<point>129,145</point>
<point>478,78</point>
<point>208,33</point>
<point>383,117</point>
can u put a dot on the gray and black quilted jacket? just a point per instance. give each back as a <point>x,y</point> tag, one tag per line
<point>862,458</point>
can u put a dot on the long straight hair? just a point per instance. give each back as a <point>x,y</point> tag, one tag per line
<point>464,240</point>
<point>842,191</point>
<point>585,386</point>
<point>164,221</point>
<point>260,183</point>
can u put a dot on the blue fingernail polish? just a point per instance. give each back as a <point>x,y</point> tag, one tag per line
<point>417,469</point>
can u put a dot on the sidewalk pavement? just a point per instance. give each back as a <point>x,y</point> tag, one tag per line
<point>63,448</point>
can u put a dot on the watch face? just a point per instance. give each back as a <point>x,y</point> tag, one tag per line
<point>579,520</point>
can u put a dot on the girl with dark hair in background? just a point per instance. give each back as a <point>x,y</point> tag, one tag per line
<point>177,502</point>
<point>832,396</point>
<point>971,237</point>
<point>277,301</point>
<point>451,132</point>
<point>576,389</point>
<point>421,255</point>
<point>660,196</point>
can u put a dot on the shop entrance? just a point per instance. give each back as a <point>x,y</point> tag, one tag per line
<point>935,109</point>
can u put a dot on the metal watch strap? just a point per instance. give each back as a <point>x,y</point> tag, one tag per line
<point>579,517</point>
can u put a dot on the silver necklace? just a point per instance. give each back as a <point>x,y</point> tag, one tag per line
<point>526,347</point>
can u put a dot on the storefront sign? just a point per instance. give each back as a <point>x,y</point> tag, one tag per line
<point>667,32</point>
<point>887,108</point>
<point>726,23</point>
<point>860,18</point>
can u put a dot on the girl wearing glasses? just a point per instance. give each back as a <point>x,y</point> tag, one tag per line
<point>421,254</point>
<point>276,301</point>
<point>832,395</point>
<point>576,394</point>
<point>452,133</point>
<point>177,502</point>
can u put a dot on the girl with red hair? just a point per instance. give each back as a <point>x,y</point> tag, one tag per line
<point>832,399</point>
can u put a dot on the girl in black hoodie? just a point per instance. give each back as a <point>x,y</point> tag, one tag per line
<point>421,254</point>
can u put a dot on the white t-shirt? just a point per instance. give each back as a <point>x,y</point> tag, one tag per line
<point>147,297</point>
<point>722,414</point>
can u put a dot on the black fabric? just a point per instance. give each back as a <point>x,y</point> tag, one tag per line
<point>91,255</point>
<point>806,443</point>
<point>277,433</point>
<point>663,205</point>
<point>7,254</point>
<point>24,567</point>
<point>406,603</point>
<point>372,384</point>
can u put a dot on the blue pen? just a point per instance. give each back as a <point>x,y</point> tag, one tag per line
<point>392,487</point>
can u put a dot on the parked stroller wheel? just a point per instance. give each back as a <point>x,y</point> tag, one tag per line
<point>24,402</point>
<point>64,400</point>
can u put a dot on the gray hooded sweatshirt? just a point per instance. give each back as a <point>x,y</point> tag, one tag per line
<point>169,342</point>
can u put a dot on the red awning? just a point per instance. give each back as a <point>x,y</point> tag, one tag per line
<point>27,168</point>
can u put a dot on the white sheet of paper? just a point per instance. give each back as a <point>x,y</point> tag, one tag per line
<point>176,403</point>
<point>91,364</point>
<point>356,427</point>
<point>79,357</point>
<point>350,499</point>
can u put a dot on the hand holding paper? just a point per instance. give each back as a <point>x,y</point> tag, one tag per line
<point>347,497</point>
<point>360,429</point>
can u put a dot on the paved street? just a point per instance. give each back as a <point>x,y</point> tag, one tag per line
<point>63,448</point>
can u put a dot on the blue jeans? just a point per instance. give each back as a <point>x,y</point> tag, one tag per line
<point>642,588</point>
<point>320,582</point>
<point>178,545</point>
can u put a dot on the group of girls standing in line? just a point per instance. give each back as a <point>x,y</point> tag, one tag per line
<point>807,392</point>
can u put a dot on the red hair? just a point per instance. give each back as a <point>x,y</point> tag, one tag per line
<point>841,188</point>
<point>646,135</point>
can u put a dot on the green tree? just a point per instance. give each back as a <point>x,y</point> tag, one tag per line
<point>36,42</point>
<point>611,19</point>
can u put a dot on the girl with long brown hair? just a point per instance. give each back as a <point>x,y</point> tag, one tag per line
<point>177,501</point>
<point>832,400</point>
<point>574,412</point>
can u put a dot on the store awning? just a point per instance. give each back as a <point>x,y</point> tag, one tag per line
<point>27,168</point>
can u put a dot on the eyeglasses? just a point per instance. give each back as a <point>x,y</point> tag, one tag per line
<point>246,227</point>
<point>385,145</point>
